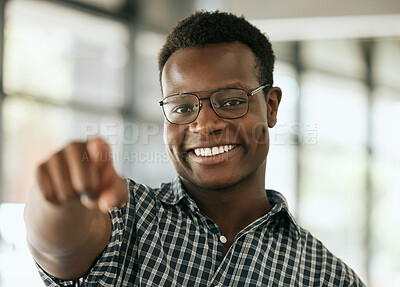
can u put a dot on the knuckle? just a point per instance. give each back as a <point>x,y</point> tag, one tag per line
<point>41,176</point>
<point>40,170</point>
<point>55,159</point>
<point>65,195</point>
<point>76,152</point>
<point>49,195</point>
<point>74,146</point>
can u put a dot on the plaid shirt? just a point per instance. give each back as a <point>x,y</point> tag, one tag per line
<point>161,238</point>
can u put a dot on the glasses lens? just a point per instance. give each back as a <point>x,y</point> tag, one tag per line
<point>181,109</point>
<point>230,103</point>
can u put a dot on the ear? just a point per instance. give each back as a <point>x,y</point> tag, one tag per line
<point>273,99</point>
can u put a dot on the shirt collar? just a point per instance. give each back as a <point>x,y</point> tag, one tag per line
<point>173,192</point>
<point>280,205</point>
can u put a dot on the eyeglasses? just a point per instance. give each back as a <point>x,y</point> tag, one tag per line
<point>231,103</point>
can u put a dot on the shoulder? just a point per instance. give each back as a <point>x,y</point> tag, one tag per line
<point>316,262</point>
<point>320,262</point>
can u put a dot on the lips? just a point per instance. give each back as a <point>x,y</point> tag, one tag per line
<point>212,151</point>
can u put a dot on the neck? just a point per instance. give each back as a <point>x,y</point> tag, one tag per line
<point>234,207</point>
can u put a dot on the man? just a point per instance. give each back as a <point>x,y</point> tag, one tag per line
<point>215,224</point>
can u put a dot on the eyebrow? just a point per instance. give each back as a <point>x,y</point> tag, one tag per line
<point>233,85</point>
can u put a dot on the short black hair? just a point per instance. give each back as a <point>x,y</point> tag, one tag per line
<point>204,27</point>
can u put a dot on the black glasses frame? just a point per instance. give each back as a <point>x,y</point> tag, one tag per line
<point>249,94</point>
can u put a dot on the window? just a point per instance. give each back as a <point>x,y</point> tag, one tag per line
<point>63,70</point>
<point>385,165</point>
<point>333,171</point>
<point>347,189</point>
<point>64,79</point>
<point>281,162</point>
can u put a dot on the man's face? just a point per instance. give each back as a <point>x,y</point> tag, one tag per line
<point>244,141</point>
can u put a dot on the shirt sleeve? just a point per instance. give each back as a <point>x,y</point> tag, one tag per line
<point>108,266</point>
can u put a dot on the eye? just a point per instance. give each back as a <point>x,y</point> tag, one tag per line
<point>232,103</point>
<point>183,109</point>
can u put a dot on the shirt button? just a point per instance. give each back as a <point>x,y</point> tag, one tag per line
<point>223,239</point>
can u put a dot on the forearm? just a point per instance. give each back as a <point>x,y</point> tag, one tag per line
<point>65,240</point>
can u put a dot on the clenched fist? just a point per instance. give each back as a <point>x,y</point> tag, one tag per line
<point>85,172</point>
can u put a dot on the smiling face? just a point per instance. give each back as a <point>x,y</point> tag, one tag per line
<point>213,152</point>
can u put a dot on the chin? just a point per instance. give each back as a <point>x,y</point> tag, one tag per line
<point>214,183</point>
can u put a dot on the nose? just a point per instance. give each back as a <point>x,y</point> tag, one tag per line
<point>207,121</point>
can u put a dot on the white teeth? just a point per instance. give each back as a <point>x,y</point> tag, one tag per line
<point>213,151</point>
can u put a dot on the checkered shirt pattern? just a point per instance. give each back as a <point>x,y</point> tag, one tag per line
<point>161,238</point>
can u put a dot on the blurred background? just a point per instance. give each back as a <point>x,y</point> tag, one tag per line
<point>71,70</point>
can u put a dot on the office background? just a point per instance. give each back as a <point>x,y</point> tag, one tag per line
<point>71,70</point>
